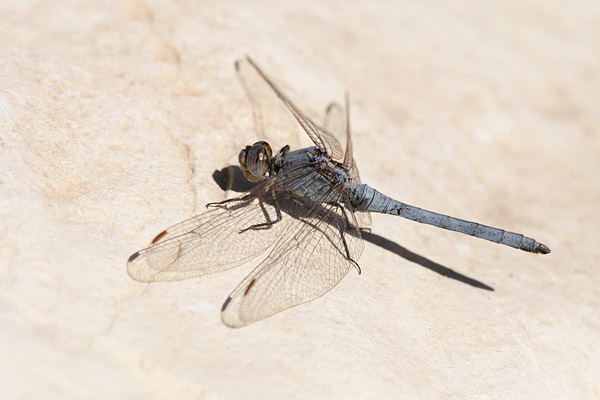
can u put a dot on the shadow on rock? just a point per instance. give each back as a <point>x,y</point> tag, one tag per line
<point>232,178</point>
<point>422,261</point>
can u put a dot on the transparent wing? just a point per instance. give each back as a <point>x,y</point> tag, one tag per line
<point>334,124</point>
<point>266,97</point>
<point>272,120</point>
<point>337,123</point>
<point>349,154</point>
<point>310,258</point>
<point>218,239</point>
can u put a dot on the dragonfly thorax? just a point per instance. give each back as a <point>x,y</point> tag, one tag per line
<point>335,172</point>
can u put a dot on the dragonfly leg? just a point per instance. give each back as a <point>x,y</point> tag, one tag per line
<point>340,207</point>
<point>266,225</point>
<point>348,251</point>
<point>222,204</point>
<point>347,222</point>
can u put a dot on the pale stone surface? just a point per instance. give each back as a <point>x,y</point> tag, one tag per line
<point>114,115</point>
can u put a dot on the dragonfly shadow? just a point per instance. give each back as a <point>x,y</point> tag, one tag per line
<point>422,261</point>
<point>232,178</point>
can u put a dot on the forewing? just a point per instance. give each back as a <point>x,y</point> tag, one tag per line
<point>311,257</point>
<point>272,120</point>
<point>218,239</point>
<point>269,122</point>
<point>214,242</point>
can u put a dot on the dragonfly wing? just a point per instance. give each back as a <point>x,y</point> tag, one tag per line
<point>218,239</point>
<point>262,90</point>
<point>349,153</point>
<point>334,128</point>
<point>215,242</point>
<point>337,123</point>
<point>272,120</point>
<point>310,258</point>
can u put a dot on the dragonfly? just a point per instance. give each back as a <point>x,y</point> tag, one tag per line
<point>304,216</point>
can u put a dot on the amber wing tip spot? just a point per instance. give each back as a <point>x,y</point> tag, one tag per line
<point>133,256</point>
<point>249,287</point>
<point>159,236</point>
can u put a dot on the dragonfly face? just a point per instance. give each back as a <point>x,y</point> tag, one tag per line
<point>254,161</point>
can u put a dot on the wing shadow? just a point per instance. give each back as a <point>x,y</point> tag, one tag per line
<point>232,178</point>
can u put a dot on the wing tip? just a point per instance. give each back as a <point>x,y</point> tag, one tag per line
<point>226,304</point>
<point>230,315</point>
<point>133,257</point>
<point>136,270</point>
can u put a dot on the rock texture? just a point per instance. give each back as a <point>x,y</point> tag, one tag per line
<point>115,114</point>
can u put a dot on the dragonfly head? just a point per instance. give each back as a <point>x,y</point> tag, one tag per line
<point>254,161</point>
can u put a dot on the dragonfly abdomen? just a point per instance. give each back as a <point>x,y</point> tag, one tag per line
<point>365,198</point>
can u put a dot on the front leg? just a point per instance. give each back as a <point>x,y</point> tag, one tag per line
<point>266,225</point>
<point>341,231</point>
<point>222,204</point>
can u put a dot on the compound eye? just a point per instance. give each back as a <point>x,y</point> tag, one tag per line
<point>254,161</point>
<point>242,157</point>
